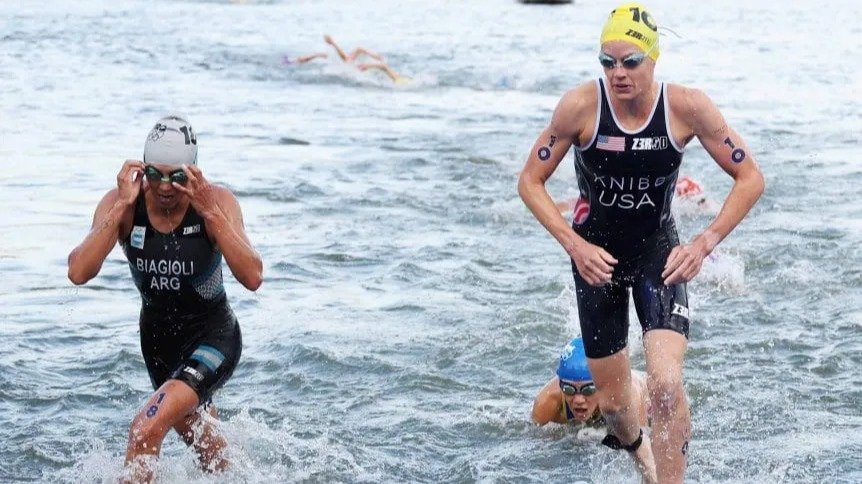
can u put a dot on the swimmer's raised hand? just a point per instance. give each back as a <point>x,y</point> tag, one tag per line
<point>199,190</point>
<point>129,181</point>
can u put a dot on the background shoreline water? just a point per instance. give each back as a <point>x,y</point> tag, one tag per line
<point>412,306</point>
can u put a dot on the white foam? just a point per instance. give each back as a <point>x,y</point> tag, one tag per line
<point>723,271</point>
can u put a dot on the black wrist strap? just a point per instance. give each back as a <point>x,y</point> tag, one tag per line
<point>614,443</point>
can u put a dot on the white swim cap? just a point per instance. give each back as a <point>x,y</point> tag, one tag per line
<point>171,142</point>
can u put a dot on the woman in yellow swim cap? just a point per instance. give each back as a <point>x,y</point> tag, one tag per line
<point>629,38</point>
<point>630,133</point>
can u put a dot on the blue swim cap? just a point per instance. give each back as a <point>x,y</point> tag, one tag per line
<point>573,362</point>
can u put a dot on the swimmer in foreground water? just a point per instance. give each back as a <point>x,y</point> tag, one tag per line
<point>174,228</point>
<point>571,398</point>
<point>629,133</point>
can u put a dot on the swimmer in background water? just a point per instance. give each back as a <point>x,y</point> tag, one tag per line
<point>352,58</point>
<point>691,193</point>
<point>347,58</point>
<point>571,397</point>
<point>358,52</point>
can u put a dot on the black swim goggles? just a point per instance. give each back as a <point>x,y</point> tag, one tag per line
<point>155,176</point>
<point>631,61</point>
<point>587,389</point>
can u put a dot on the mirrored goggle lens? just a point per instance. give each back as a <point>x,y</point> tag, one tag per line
<point>155,176</point>
<point>571,390</point>
<point>607,61</point>
<point>633,61</point>
<point>630,62</point>
<point>180,177</point>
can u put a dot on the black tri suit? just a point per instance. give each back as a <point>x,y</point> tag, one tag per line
<point>626,181</point>
<point>188,330</point>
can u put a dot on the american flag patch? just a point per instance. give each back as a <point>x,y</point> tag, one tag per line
<point>611,143</point>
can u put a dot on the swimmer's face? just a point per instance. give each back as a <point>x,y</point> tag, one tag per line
<point>160,178</point>
<point>581,397</point>
<point>632,71</point>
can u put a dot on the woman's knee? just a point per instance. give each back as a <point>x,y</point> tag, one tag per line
<point>616,401</point>
<point>666,394</point>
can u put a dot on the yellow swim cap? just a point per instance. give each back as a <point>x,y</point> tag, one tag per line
<point>631,22</point>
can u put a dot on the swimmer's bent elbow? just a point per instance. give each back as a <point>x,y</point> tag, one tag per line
<point>254,284</point>
<point>77,274</point>
<point>77,277</point>
<point>252,281</point>
<point>537,414</point>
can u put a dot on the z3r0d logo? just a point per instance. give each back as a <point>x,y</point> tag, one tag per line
<point>680,310</point>
<point>654,143</point>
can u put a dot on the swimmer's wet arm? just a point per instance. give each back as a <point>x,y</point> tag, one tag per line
<point>85,261</point>
<point>547,405</point>
<point>225,224</point>
<point>733,155</point>
<point>329,40</point>
<point>545,156</point>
